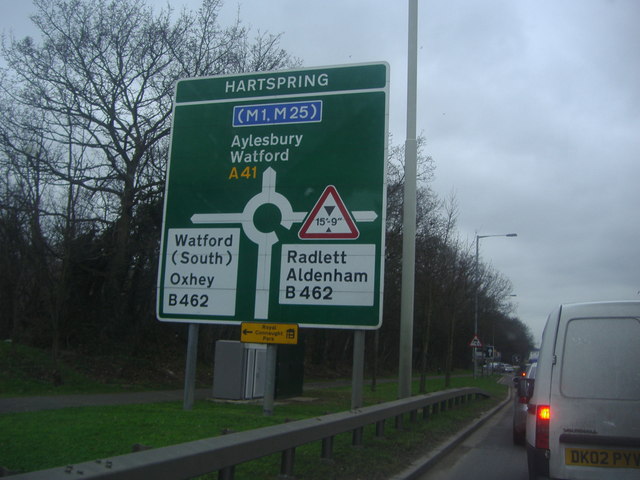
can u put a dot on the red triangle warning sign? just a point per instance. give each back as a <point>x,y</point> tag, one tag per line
<point>329,219</point>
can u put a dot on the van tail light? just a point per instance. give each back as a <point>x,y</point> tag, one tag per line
<point>543,416</point>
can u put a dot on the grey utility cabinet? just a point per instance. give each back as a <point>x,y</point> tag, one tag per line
<point>239,370</point>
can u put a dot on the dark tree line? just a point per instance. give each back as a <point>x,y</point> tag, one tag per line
<point>84,124</point>
<point>445,284</point>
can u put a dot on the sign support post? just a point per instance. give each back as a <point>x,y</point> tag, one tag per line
<point>270,380</point>
<point>190,369</point>
<point>357,374</point>
<point>475,343</point>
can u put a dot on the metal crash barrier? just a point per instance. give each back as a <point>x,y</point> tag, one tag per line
<point>221,454</point>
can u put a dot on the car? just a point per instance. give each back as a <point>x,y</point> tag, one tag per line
<point>583,418</point>
<point>497,367</point>
<point>493,367</point>
<point>523,389</point>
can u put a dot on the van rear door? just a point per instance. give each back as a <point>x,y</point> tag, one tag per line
<point>595,393</point>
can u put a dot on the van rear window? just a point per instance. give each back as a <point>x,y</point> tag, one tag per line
<point>602,359</point>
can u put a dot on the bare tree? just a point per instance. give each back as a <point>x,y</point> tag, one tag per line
<point>100,81</point>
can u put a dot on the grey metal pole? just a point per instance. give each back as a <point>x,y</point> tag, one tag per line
<point>409,214</point>
<point>477,285</point>
<point>190,370</point>
<point>270,380</point>
<point>475,315</point>
<point>357,374</point>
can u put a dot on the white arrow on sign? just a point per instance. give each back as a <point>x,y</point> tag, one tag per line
<point>266,240</point>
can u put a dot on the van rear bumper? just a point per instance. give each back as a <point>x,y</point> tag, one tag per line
<point>538,460</point>
<point>600,440</point>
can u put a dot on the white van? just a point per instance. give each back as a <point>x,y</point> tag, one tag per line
<point>583,418</point>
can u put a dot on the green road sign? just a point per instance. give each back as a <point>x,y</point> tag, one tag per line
<point>275,199</point>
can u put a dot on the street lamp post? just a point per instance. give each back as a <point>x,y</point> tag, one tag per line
<point>409,212</point>
<point>475,317</point>
<point>493,337</point>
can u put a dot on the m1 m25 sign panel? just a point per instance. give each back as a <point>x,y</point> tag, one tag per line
<point>275,199</point>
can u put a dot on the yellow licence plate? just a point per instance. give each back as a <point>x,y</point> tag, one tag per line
<point>587,457</point>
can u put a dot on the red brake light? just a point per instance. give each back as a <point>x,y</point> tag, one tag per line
<point>544,412</point>
<point>543,415</point>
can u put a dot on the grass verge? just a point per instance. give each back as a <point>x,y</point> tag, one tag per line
<point>28,371</point>
<point>45,439</point>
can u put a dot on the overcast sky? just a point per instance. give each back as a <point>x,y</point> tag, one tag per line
<point>531,111</point>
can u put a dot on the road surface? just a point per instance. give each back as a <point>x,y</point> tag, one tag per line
<point>487,454</point>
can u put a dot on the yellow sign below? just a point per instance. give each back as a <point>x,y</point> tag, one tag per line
<point>282,333</point>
